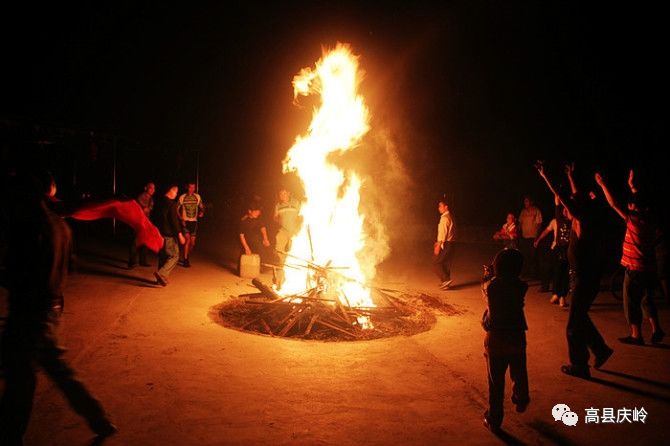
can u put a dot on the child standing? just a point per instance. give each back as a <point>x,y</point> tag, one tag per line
<point>505,340</point>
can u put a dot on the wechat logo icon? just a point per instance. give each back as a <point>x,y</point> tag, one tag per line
<point>561,412</point>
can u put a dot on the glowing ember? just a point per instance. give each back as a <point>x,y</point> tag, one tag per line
<point>332,231</point>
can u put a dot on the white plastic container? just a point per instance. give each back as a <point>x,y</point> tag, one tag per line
<point>250,265</point>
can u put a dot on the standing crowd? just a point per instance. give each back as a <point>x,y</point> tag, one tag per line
<point>577,269</point>
<point>38,255</point>
<point>177,221</point>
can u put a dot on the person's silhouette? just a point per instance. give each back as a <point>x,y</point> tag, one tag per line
<point>37,259</point>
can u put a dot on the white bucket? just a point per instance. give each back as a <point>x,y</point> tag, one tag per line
<point>250,265</point>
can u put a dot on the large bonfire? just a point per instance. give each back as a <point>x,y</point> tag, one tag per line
<point>332,233</point>
<point>326,291</point>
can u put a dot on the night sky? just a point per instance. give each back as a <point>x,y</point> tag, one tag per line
<point>466,95</point>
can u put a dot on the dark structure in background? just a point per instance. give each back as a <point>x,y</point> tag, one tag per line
<point>470,93</point>
<point>92,165</point>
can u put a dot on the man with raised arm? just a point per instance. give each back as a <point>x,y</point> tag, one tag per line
<point>582,334</point>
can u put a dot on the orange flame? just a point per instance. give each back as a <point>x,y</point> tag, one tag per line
<point>332,231</point>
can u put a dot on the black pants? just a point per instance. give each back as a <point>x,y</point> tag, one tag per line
<point>267,253</point>
<point>582,334</point>
<point>561,274</point>
<point>638,296</point>
<point>135,252</point>
<point>442,262</point>
<point>505,350</point>
<point>27,344</point>
<point>545,264</point>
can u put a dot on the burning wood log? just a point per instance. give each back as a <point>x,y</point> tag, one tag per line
<point>311,324</point>
<point>325,305</point>
<point>279,315</point>
<point>331,228</point>
<point>335,327</point>
<point>267,327</point>
<point>392,299</point>
<point>266,290</point>
<point>292,321</point>
<point>321,318</point>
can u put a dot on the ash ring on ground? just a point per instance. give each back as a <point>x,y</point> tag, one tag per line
<point>327,320</point>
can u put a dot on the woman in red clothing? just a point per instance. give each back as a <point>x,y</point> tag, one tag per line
<point>508,233</point>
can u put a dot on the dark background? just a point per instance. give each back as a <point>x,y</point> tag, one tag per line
<point>464,97</point>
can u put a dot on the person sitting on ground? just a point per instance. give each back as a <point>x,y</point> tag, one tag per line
<point>639,260</point>
<point>508,233</point>
<point>505,340</point>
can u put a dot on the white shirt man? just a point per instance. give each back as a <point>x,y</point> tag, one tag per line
<point>444,245</point>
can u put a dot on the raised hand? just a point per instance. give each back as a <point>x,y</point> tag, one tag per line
<point>631,180</point>
<point>599,179</point>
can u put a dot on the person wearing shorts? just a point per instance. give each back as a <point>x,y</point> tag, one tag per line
<point>190,210</point>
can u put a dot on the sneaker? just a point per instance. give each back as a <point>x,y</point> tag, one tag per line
<point>657,336</point>
<point>602,359</point>
<point>562,303</point>
<point>160,279</point>
<point>554,299</point>
<point>186,263</point>
<point>576,371</point>
<point>632,341</point>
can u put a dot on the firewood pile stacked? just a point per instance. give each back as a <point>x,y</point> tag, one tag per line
<point>319,314</point>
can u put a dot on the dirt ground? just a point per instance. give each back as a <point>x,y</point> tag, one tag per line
<point>169,375</point>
